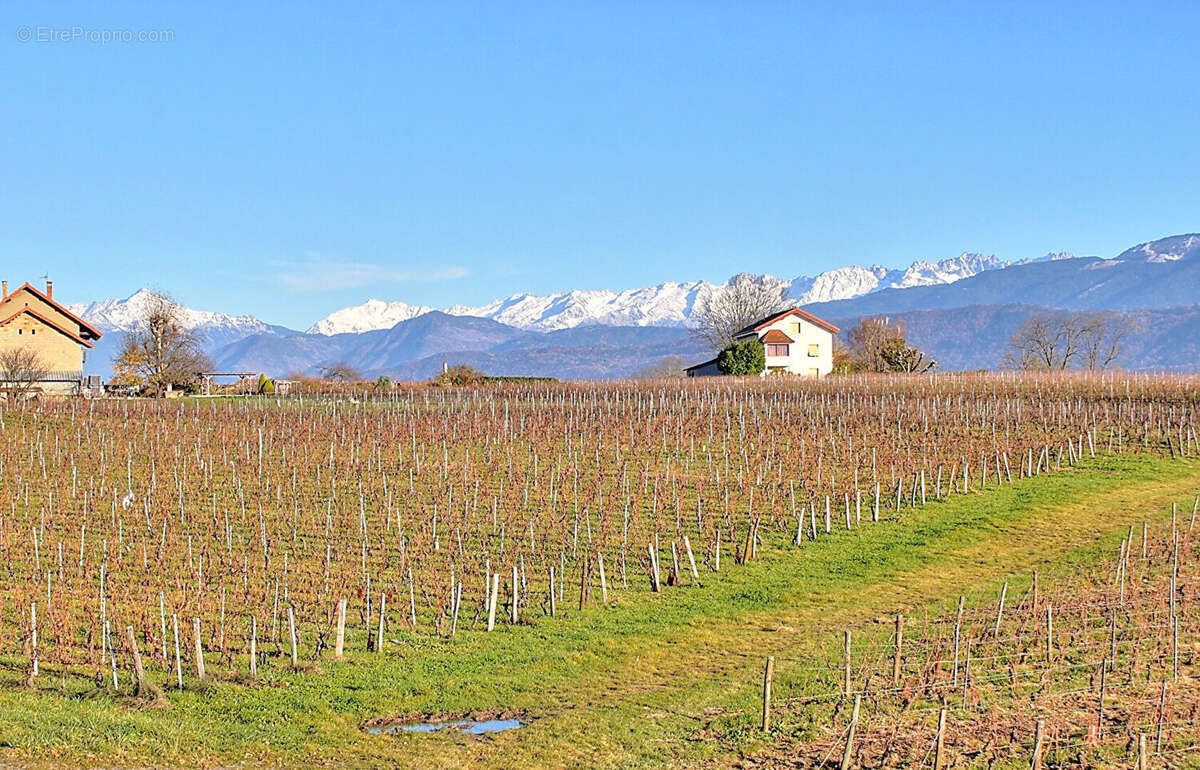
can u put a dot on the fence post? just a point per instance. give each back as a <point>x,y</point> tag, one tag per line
<point>340,640</point>
<point>940,740</point>
<point>199,650</point>
<point>846,664</point>
<point>768,680</point>
<point>849,753</point>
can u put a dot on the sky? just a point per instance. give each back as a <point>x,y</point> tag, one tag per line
<point>288,160</point>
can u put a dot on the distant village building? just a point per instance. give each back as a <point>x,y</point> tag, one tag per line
<point>796,342</point>
<point>33,320</point>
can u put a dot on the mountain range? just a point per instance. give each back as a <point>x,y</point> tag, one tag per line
<point>961,310</point>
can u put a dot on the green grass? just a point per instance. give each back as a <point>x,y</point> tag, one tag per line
<point>636,684</point>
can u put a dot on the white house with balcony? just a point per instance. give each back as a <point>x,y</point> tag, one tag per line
<point>796,342</point>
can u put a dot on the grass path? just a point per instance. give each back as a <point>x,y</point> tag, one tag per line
<point>634,685</point>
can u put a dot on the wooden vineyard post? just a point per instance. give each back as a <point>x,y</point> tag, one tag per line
<point>687,545</point>
<point>957,637</point>
<point>655,584</point>
<point>493,596</point>
<point>1141,752</point>
<point>382,615</point>
<point>940,741</point>
<point>339,648</point>
<point>1000,610</point>
<point>253,647</point>
<point>717,553</point>
<point>846,664</point>
<point>292,636</point>
<point>553,602</point>
<point>412,600</point>
<point>848,755</point>
<point>139,673</point>
<point>458,604</point>
<point>898,651</point>
<point>1039,730</point>
<point>768,680</point>
<point>199,649</point>
<point>1162,712</point>
<point>178,661</point>
<point>515,585</point>
<point>603,578</point>
<point>1049,632</point>
<point>162,616</point>
<point>583,577</point>
<point>1100,706</point>
<point>33,652</point>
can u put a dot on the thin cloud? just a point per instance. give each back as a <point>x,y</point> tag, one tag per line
<point>318,273</point>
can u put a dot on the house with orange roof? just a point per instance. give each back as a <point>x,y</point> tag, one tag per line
<point>33,320</point>
<point>796,342</point>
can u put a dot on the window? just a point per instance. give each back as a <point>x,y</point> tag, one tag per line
<point>814,350</point>
<point>796,328</point>
<point>814,373</point>
<point>776,349</point>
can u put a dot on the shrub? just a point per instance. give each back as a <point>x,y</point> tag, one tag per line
<point>460,374</point>
<point>266,387</point>
<point>743,358</point>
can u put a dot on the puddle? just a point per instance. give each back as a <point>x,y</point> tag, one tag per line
<point>467,726</point>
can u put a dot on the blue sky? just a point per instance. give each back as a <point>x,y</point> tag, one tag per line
<point>289,160</point>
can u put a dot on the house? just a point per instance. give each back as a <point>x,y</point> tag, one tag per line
<point>33,320</point>
<point>796,342</point>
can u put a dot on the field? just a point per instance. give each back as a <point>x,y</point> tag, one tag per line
<point>610,564</point>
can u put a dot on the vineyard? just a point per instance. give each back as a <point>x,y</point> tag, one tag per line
<point>155,547</point>
<point>1098,669</point>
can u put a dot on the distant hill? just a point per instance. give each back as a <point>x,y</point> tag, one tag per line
<point>976,337</point>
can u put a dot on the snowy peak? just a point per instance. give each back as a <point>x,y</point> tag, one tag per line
<point>855,281</point>
<point>1170,249</point>
<point>667,304</point>
<point>126,314</point>
<point>370,315</point>
<point>965,265</point>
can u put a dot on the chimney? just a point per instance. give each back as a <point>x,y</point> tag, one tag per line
<point>50,289</point>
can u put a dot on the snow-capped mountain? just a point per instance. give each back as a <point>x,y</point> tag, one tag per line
<point>124,314</point>
<point>667,304</point>
<point>372,314</point>
<point>1171,249</point>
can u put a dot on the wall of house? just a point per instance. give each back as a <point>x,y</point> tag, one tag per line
<point>798,360</point>
<point>57,351</point>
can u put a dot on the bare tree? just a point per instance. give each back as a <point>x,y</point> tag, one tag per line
<point>162,352</point>
<point>20,368</point>
<point>743,300</point>
<point>339,371</point>
<point>1057,341</point>
<point>1102,339</point>
<point>1038,343</point>
<point>868,341</point>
